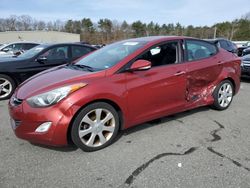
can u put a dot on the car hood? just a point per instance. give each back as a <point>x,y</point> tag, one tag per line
<point>54,78</point>
<point>246,58</point>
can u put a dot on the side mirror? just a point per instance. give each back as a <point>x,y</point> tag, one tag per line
<point>140,65</point>
<point>41,59</point>
<point>5,49</point>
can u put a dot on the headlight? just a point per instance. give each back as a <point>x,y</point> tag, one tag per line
<point>54,96</point>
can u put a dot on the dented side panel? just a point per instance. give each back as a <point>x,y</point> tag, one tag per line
<point>204,75</point>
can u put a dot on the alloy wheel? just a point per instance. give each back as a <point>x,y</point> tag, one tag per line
<point>225,95</point>
<point>5,88</point>
<point>97,127</point>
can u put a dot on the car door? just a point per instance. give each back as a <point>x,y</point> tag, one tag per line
<point>203,68</point>
<point>159,90</point>
<point>48,58</point>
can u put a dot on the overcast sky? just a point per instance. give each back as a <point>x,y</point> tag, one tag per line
<point>186,12</point>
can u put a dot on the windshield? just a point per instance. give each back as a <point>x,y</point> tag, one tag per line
<point>110,55</point>
<point>32,52</point>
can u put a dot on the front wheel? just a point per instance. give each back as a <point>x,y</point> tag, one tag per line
<point>223,95</point>
<point>95,127</point>
<point>7,87</point>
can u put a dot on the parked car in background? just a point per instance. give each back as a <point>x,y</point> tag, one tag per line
<point>225,44</point>
<point>98,46</point>
<point>12,49</point>
<point>245,65</point>
<point>13,71</point>
<point>241,50</point>
<point>246,51</point>
<point>122,85</point>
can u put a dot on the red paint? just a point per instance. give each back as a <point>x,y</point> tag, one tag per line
<point>141,95</point>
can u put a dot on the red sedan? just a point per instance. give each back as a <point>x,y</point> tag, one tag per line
<point>122,85</point>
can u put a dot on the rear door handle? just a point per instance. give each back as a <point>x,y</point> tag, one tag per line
<point>220,62</point>
<point>179,73</point>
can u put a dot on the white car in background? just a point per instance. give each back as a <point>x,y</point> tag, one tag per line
<point>12,49</point>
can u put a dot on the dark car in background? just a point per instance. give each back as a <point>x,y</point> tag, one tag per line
<point>245,65</point>
<point>225,44</point>
<point>15,70</point>
<point>16,48</point>
<point>244,49</point>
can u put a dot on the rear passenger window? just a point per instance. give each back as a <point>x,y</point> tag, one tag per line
<point>224,45</point>
<point>78,51</point>
<point>196,50</point>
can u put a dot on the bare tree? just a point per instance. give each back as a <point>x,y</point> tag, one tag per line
<point>26,21</point>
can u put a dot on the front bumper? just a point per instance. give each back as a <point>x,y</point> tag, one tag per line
<point>25,120</point>
<point>245,70</point>
<point>245,67</point>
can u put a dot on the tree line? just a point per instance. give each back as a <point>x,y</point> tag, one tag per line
<point>105,30</point>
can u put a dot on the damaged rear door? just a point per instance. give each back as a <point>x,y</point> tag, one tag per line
<point>203,69</point>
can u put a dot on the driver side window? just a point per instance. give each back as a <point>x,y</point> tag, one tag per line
<point>164,54</point>
<point>57,53</point>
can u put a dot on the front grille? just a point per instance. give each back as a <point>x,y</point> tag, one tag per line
<point>15,101</point>
<point>15,123</point>
<point>246,67</point>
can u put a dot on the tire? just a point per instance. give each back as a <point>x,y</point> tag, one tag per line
<point>95,119</point>
<point>223,95</point>
<point>7,87</point>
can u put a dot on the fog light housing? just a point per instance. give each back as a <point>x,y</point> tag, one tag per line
<point>43,127</point>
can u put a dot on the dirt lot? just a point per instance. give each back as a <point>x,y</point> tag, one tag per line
<point>198,148</point>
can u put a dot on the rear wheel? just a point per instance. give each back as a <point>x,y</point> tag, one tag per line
<point>223,95</point>
<point>95,127</point>
<point>7,87</point>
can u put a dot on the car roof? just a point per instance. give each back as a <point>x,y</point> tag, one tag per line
<point>19,42</point>
<point>157,39</point>
<point>216,39</point>
<point>68,43</point>
<point>23,42</point>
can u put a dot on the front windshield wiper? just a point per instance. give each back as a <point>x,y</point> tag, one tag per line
<point>85,67</point>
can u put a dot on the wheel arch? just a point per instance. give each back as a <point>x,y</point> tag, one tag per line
<point>17,82</point>
<point>233,82</point>
<point>108,101</point>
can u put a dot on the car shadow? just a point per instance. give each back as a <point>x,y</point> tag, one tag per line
<point>68,148</point>
<point>245,79</point>
<point>140,127</point>
<point>175,117</point>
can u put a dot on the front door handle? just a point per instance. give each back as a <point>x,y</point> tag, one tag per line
<point>220,62</point>
<point>179,73</point>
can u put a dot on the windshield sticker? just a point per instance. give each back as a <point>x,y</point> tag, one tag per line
<point>155,51</point>
<point>130,43</point>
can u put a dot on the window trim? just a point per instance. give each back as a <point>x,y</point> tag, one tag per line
<point>51,47</point>
<point>199,40</point>
<point>83,46</point>
<point>180,56</point>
